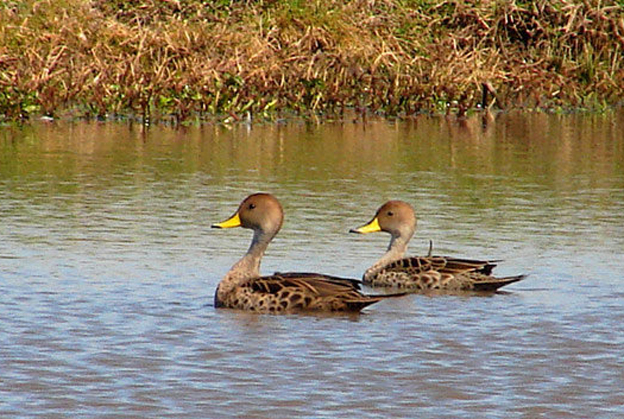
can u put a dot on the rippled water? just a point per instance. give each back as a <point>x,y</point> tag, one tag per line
<point>108,268</point>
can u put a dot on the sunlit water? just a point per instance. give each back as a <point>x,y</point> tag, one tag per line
<point>108,268</point>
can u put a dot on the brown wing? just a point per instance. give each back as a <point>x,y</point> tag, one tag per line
<point>295,291</point>
<point>469,265</point>
<point>351,282</point>
<point>417,265</point>
<point>479,272</point>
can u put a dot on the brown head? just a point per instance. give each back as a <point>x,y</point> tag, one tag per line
<point>394,217</point>
<point>260,212</point>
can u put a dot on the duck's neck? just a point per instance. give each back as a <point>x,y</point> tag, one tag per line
<point>396,250</point>
<point>246,268</point>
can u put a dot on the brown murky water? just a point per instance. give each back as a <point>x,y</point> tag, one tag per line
<point>108,268</point>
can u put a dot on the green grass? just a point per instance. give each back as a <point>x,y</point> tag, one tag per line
<point>199,59</point>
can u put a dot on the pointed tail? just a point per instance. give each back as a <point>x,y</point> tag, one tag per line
<point>496,283</point>
<point>359,304</point>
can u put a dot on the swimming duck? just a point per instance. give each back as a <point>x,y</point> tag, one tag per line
<point>244,288</point>
<point>422,272</point>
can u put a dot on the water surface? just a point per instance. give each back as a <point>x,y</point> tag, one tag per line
<point>108,268</point>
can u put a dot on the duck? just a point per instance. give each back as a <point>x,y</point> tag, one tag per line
<point>424,273</point>
<point>244,288</point>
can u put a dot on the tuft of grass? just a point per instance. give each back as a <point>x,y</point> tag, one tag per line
<point>184,60</point>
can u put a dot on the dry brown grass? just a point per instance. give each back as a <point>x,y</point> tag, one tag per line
<point>161,58</point>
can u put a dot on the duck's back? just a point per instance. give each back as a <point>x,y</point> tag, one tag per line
<point>293,291</point>
<point>438,273</point>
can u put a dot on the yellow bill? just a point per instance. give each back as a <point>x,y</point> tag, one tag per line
<point>233,221</point>
<point>371,227</point>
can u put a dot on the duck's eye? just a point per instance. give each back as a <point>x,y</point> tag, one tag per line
<point>252,206</point>
<point>390,213</point>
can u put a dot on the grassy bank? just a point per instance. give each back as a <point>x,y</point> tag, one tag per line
<point>184,59</point>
